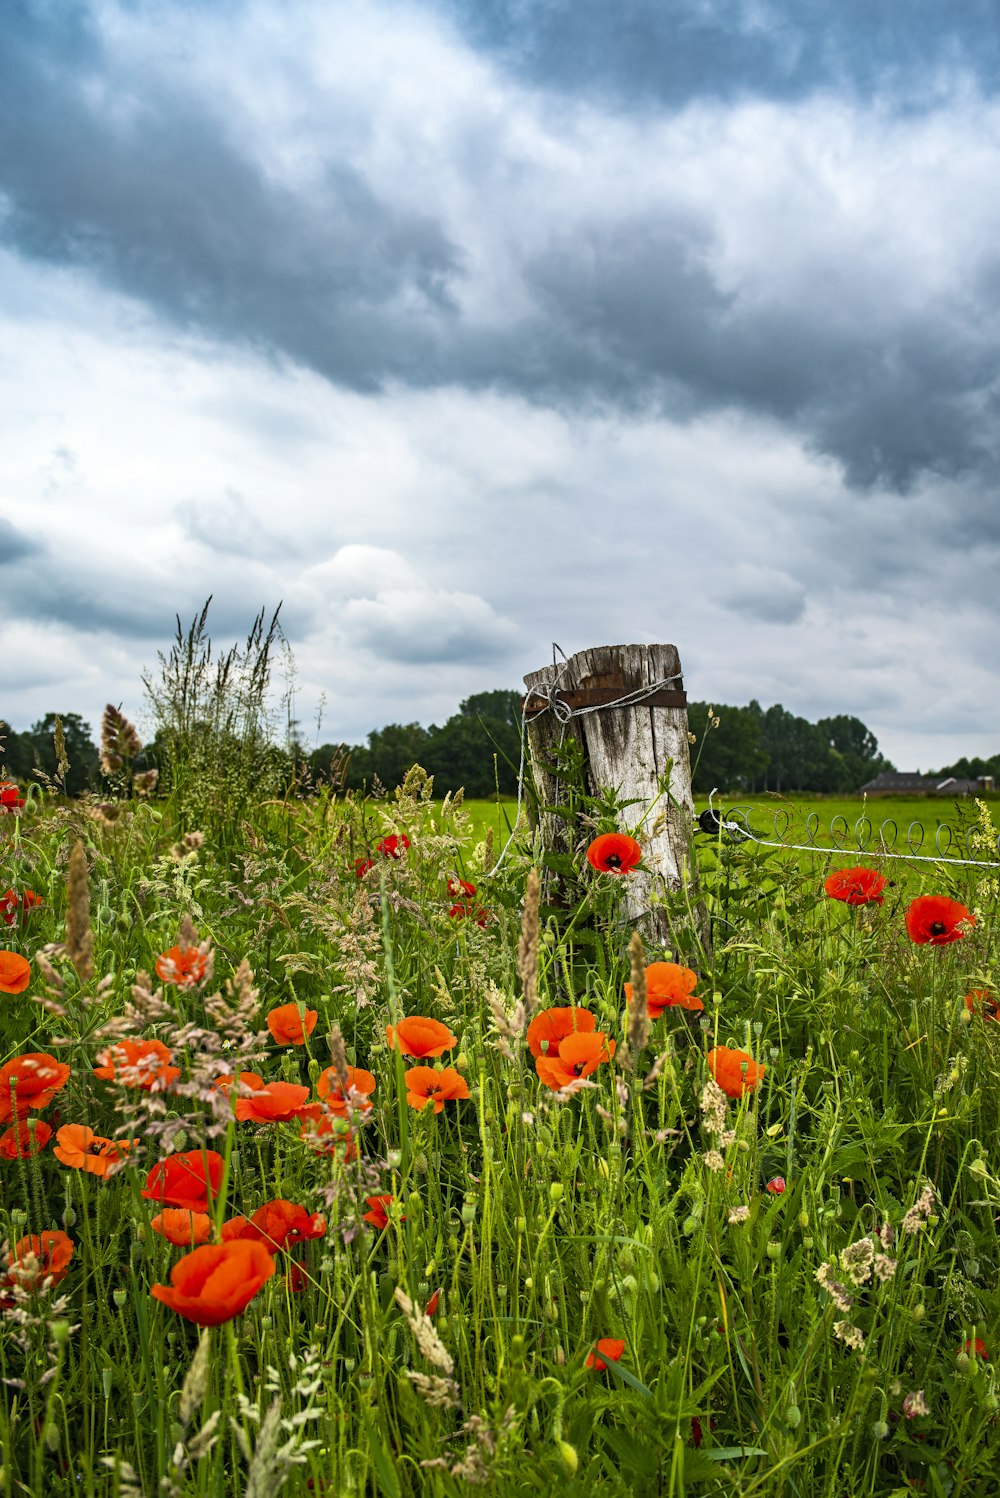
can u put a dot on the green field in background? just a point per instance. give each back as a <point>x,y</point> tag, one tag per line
<point>838,816</point>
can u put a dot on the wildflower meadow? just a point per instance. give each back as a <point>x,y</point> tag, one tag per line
<point>341,1155</point>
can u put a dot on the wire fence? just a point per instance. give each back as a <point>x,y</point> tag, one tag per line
<point>864,839</point>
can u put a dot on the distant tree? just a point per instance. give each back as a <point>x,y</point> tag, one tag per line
<point>390,752</point>
<point>731,756</point>
<point>82,753</point>
<point>17,753</point>
<point>971,769</point>
<point>854,750</point>
<point>479,746</point>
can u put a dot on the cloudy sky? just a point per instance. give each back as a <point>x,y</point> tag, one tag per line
<point>463,327</point>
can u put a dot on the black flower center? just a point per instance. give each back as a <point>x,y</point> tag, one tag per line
<point>613,861</point>
<point>938,928</point>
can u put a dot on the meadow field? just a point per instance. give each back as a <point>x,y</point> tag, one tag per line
<point>334,1163</point>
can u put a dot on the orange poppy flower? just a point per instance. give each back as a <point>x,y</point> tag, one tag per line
<point>186,1180</point>
<point>614,853</point>
<point>668,986</point>
<point>33,1079</point>
<point>15,972</point>
<point>183,1228</point>
<point>278,1102</point>
<point>856,886</point>
<point>214,1283</point>
<point>11,903</point>
<point>736,1072</point>
<point>276,1224</point>
<point>328,1132</point>
<point>53,1251</point>
<point>420,1037</point>
<point>981,1001</point>
<point>378,1216</point>
<point>358,1081</point>
<point>287,1025</point>
<point>81,1149</point>
<point>138,1063</point>
<point>606,1347</point>
<point>551,1026</point>
<point>186,968</point>
<point>935,920</point>
<point>425,1085</point>
<point>22,1140</point>
<point>578,1055</point>
<point>246,1078</point>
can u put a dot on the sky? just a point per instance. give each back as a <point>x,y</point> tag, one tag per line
<point>463,327</point>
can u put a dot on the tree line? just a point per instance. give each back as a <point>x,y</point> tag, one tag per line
<point>746,749</point>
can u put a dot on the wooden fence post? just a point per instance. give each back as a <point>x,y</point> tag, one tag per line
<point>628,749</point>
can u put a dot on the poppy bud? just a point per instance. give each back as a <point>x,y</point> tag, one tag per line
<point>180,1141</point>
<point>59,1332</point>
<point>803,1219</point>
<point>521,1224</point>
<point>68,1217</point>
<point>570,1460</point>
<point>313,1070</point>
<point>880,1430</point>
<point>919,1312</point>
<point>793,1416</point>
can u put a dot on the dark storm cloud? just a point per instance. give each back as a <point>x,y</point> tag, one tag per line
<point>645,52</point>
<point>14,544</point>
<point>145,183</point>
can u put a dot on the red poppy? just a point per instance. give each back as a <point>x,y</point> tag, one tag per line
<point>668,986</point>
<point>80,1148</point>
<point>287,1025</point>
<point>551,1026</point>
<point>185,968</point>
<point>425,1085</point>
<point>52,1250</point>
<point>578,1055</point>
<point>736,1072</point>
<point>186,1180</point>
<point>935,920</point>
<point>326,1132</point>
<point>278,1102</point>
<point>362,865</point>
<point>430,1309</point>
<point>776,1185</point>
<point>978,1347</point>
<point>213,1284</point>
<point>614,853</point>
<point>33,1080</point>
<point>138,1063</point>
<point>469,912</point>
<point>276,1224</point>
<point>393,846</point>
<point>856,886</point>
<point>246,1079</point>
<point>15,972</point>
<point>378,1216</point>
<point>420,1037</point>
<point>182,1228</point>
<point>11,902</point>
<point>296,1279</point>
<point>606,1347</point>
<point>458,887</point>
<point>358,1081</point>
<point>22,1140</point>
<point>10,797</point>
<point>981,1001</point>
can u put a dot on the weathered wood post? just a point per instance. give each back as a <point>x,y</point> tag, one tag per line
<point>638,749</point>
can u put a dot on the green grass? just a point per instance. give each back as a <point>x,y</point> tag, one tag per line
<point>545,1224</point>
